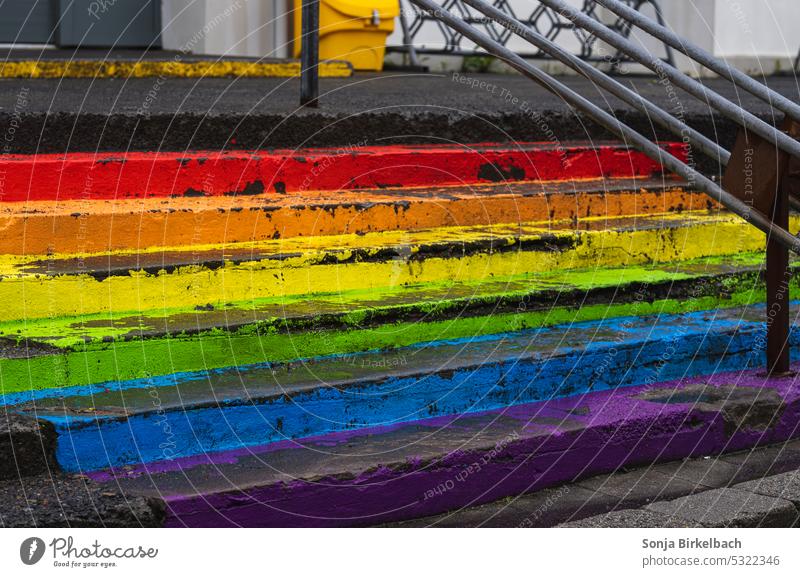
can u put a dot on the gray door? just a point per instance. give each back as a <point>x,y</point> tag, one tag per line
<point>28,21</point>
<point>106,23</point>
<point>88,23</point>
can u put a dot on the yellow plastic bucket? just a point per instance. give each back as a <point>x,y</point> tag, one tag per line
<point>352,30</point>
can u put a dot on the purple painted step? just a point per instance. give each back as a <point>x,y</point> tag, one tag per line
<point>426,467</point>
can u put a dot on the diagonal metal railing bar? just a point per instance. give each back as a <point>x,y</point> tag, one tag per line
<point>705,58</point>
<point>660,116</point>
<point>615,126</point>
<point>697,89</point>
<point>606,82</point>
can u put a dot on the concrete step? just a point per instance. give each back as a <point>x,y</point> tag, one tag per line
<point>89,349</point>
<point>412,469</point>
<point>620,498</point>
<point>114,176</point>
<point>54,499</point>
<point>89,226</point>
<point>219,114</point>
<point>765,493</point>
<point>180,415</point>
<point>203,276</point>
<point>39,354</point>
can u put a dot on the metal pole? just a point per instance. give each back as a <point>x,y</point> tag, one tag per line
<point>614,125</point>
<point>707,59</point>
<point>778,320</point>
<point>778,272</point>
<point>616,88</point>
<point>408,40</point>
<point>309,55</point>
<point>681,80</point>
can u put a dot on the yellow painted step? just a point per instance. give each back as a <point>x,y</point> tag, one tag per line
<point>66,285</point>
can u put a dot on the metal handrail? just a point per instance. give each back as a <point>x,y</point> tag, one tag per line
<point>776,225</point>
<point>697,89</point>
<point>613,86</point>
<point>705,58</point>
<point>660,116</point>
<point>614,125</point>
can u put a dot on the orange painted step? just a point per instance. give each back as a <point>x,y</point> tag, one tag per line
<point>101,225</point>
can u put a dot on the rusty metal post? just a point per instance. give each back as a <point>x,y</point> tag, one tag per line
<point>778,319</point>
<point>768,179</point>
<point>778,273</point>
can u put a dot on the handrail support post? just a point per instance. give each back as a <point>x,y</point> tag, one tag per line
<point>778,276</point>
<point>766,178</point>
<point>778,272</point>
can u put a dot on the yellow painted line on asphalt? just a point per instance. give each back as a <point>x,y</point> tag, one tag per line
<point>164,68</point>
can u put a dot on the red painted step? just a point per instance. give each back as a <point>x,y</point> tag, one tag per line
<point>162,174</point>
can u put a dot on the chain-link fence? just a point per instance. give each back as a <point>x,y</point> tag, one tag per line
<point>439,39</point>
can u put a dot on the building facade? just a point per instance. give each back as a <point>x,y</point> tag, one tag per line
<point>756,35</point>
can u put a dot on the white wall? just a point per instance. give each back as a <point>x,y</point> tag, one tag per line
<point>230,27</point>
<point>692,19</point>
<point>756,34</point>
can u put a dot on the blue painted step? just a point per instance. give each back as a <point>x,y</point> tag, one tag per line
<point>189,414</point>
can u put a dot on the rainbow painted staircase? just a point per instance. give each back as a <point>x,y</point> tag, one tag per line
<point>356,336</point>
